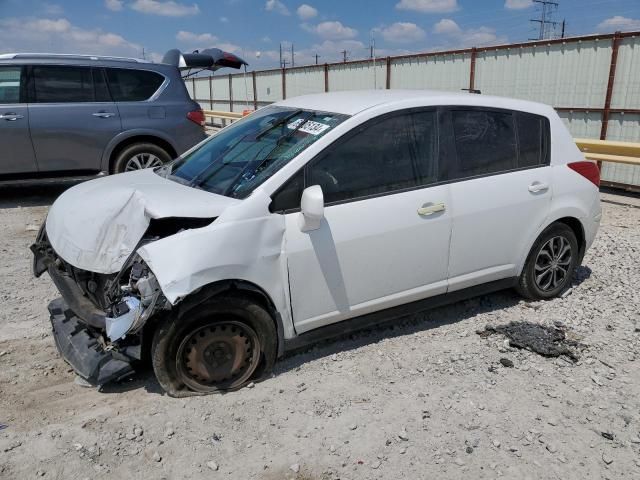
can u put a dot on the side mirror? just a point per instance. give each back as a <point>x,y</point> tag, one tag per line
<point>312,208</point>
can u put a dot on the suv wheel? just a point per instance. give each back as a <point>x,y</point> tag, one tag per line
<point>139,156</point>
<point>216,347</point>
<point>551,263</point>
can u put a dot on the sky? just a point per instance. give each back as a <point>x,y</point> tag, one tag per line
<point>254,29</point>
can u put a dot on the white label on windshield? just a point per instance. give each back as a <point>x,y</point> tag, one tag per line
<point>313,128</point>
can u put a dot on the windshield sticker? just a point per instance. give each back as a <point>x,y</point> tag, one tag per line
<point>313,128</point>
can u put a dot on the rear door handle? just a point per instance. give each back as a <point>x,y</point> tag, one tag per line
<point>103,114</point>
<point>431,208</point>
<point>537,187</point>
<point>11,117</point>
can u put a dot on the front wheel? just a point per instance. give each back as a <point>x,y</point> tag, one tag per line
<point>551,263</point>
<point>220,346</point>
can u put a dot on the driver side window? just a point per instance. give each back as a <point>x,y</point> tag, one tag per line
<point>392,154</point>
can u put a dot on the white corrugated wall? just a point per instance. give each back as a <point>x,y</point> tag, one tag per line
<point>566,75</point>
<point>442,72</point>
<point>305,81</point>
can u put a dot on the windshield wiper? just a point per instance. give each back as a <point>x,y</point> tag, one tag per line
<point>201,173</point>
<point>278,123</point>
<point>267,157</point>
<point>259,135</point>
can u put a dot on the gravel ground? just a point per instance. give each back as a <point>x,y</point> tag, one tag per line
<point>426,398</point>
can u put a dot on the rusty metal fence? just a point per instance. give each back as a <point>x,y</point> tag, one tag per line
<point>592,81</point>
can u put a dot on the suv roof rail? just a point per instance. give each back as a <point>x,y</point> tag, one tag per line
<point>10,56</point>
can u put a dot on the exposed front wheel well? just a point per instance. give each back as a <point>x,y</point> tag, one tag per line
<point>163,144</point>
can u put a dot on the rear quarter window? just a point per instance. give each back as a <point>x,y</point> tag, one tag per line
<point>533,140</point>
<point>128,85</point>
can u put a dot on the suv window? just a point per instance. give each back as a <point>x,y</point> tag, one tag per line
<point>485,142</point>
<point>132,85</point>
<point>10,84</point>
<point>532,140</point>
<point>62,84</point>
<point>395,153</point>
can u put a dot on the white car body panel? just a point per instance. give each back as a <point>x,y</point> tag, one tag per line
<point>244,243</point>
<point>494,219</point>
<point>367,255</point>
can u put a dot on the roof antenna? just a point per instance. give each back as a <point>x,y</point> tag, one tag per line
<point>246,91</point>
<point>472,90</point>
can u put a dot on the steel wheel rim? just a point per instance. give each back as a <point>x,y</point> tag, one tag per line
<point>218,356</point>
<point>553,263</point>
<point>142,160</point>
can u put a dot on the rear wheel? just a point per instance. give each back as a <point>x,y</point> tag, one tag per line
<point>139,156</point>
<point>551,263</point>
<point>220,346</point>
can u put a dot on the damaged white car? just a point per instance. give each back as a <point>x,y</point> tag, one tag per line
<point>307,219</point>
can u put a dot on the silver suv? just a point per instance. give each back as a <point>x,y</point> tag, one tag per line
<point>74,115</point>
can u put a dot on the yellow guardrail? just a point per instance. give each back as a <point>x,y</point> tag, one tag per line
<point>223,115</point>
<point>627,153</point>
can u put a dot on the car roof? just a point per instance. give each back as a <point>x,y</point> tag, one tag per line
<point>78,59</point>
<point>354,102</point>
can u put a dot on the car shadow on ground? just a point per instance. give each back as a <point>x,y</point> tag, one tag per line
<point>33,194</point>
<point>398,327</point>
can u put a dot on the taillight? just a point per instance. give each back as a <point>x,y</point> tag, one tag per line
<point>588,170</point>
<point>197,116</point>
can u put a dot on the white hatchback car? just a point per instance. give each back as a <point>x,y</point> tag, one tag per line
<point>309,218</point>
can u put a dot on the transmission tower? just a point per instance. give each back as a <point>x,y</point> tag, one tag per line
<point>547,25</point>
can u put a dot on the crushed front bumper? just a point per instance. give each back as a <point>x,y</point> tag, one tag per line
<point>83,350</point>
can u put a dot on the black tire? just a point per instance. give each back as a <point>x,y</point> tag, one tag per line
<point>171,341</point>
<point>532,283</point>
<point>150,151</point>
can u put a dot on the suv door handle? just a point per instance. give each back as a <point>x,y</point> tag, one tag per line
<point>431,208</point>
<point>11,117</point>
<point>537,187</point>
<point>103,114</point>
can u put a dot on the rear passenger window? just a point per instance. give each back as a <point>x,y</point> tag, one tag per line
<point>391,154</point>
<point>61,84</point>
<point>485,142</point>
<point>532,139</point>
<point>132,85</point>
<point>10,84</point>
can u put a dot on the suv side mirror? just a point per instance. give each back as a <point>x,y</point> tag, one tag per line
<point>312,208</point>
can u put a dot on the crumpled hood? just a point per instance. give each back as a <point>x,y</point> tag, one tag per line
<point>97,224</point>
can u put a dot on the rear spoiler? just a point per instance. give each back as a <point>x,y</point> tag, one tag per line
<point>208,59</point>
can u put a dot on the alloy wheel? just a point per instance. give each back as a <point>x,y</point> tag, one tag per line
<point>142,160</point>
<point>553,263</point>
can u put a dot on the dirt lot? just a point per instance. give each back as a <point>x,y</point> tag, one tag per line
<point>427,398</point>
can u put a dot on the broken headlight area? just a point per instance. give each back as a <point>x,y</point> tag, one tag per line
<point>134,295</point>
<point>97,324</point>
<point>106,302</point>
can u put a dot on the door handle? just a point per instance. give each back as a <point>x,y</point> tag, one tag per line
<point>429,209</point>
<point>11,117</point>
<point>537,187</point>
<point>103,114</point>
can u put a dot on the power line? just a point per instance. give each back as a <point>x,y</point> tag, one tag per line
<point>547,24</point>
